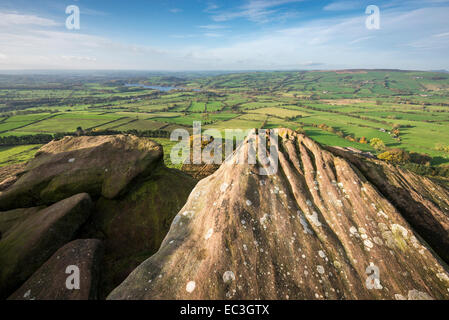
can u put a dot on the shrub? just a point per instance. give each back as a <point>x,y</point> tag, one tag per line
<point>377,144</point>
<point>395,156</point>
<point>441,147</point>
<point>419,158</point>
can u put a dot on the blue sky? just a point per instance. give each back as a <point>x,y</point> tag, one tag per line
<point>180,35</point>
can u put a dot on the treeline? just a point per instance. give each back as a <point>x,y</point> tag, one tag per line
<point>346,114</point>
<point>340,133</point>
<point>28,139</point>
<point>425,170</point>
<point>46,138</point>
<point>49,102</point>
<point>25,112</point>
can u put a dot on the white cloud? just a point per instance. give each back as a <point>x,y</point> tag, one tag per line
<point>254,10</point>
<point>342,6</point>
<point>213,34</point>
<point>415,39</point>
<point>13,19</point>
<point>327,40</point>
<point>213,27</point>
<point>211,7</point>
<point>78,58</point>
<point>441,35</point>
<point>175,10</point>
<point>360,39</point>
<point>183,36</point>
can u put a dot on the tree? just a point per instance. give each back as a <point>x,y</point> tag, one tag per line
<point>419,158</point>
<point>79,131</point>
<point>363,140</point>
<point>377,144</point>
<point>396,132</point>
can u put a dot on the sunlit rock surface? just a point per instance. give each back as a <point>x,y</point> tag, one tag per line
<point>318,229</point>
<point>133,198</point>
<point>55,279</point>
<point>100,166</point>
<point>31,236</point>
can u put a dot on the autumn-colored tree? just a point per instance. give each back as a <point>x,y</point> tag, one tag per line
<point>442,147</point>
<point>363,140</point>
<point>350,138</point>
<point>377,144</point>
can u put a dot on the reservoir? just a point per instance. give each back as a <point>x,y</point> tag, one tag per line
<point>159,88</point>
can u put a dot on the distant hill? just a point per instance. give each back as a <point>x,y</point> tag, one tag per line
<point>440,71</point>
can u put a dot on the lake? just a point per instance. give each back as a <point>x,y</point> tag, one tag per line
<point>159,88</point>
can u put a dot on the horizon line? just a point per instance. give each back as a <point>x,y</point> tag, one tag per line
<point>6,71</point>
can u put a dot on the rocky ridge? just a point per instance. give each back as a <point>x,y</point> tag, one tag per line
<point>326,226</point>
<point>112,188</point>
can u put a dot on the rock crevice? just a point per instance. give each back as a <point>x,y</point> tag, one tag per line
<point>318,229</point>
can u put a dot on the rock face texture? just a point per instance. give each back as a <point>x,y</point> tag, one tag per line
<point>129,199</point>
<point>31,236</point>
<point>418,199</point>
<point>9,175</point>
<point>200,171</point>
<point>50,281</point>
<point>133,226</point>
<point>320,228</point>
<point>100,166</point>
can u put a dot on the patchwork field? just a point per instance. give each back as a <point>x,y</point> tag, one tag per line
<point>406,110</point>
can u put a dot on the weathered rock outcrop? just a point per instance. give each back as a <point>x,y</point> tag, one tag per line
<point>9,175</point>
<point>318,229</point>
<point>31,236</point>
<point>200,171</point>
<point>134,225</point>
<point>49,282</point>
<point>135,198</point>
<point>423,204</point>
<point>100,166</point>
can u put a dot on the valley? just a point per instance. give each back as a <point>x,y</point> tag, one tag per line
<point>406,110</point>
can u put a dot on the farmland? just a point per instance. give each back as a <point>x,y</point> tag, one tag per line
<point>406,110</point>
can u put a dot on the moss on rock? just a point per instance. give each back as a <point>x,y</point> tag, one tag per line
<point>27,244</point>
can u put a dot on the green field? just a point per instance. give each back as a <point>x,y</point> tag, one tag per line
<point>335,108</point>
<point>17,154</point>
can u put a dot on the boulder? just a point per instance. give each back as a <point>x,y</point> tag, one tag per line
<point>9,175</point>
<point>101,166</point>
<point>30,237</point>
<point>134,225</point>
<point>317,229</point>
<point>50,281</point>
<point>199,171</point>
<point>135,198</point>
<point>13,217</point>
